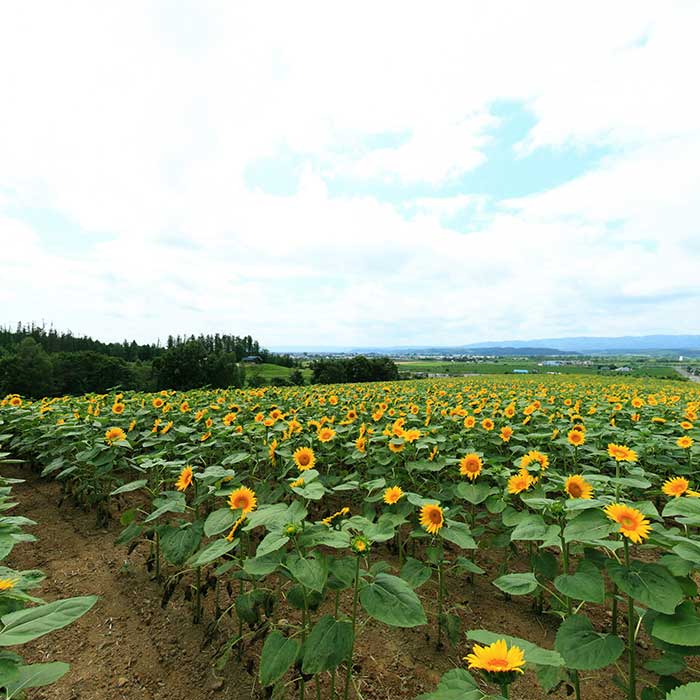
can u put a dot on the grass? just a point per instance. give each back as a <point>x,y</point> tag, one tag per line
<point>267,371</point>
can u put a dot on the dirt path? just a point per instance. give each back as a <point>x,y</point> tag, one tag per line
<point>127,647</point>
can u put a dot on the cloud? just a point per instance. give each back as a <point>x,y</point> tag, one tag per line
<point>137,124</point>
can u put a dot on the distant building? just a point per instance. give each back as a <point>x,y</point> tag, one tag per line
<point>521,371</point>
<point>622,369</point>
<point>252,359</point>
<point>550,363</point>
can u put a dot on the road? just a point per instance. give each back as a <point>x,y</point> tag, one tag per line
<point>687,375</point>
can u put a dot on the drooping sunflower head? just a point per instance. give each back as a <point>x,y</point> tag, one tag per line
<point>7,584</point>
<point>633,525</point>
<point>577,487</point>
<point>304,458</point>
<point>396,447</point>
<point>431,518</point>
<point>114,435</point>
<point>676,487</point>
<point>497,658</point>
<point>243,499</point>
<point>506,433</point>
<point>185,479</point>
<point>471,465</point>
<point>393,495</point>
<point>534,457</point>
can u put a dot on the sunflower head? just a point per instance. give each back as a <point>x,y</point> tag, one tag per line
<point>113,435</point>
<point>499,663</point>
<point>576,437</point>
<point>621,453</point>
<point>243,499</point>
<point>520,482</point>
<point>577,487</point>
<point>326,434</point>
<point>393,495</point>
<point>471,465</point>
<point>685,441</point>
<point>185,479</point>
<point>304,458</point>
<point>431,518</point>
<point>676,487</point>
<point>633,525</point>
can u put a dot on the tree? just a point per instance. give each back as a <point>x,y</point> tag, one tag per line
<point>27,372</point>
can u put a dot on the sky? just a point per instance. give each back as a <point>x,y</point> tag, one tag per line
<point>367,173</point>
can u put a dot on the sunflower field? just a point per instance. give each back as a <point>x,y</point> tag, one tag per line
<point>290,517</point>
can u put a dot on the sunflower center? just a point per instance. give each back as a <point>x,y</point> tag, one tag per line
<point>575,490</point>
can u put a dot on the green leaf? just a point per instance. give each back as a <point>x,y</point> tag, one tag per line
<point>586,584</point>
<point>327,646</point>
<point>24,625</point>
<point>474,493</point>
<point>583,648</point>
<point>278,654</point>
<point>180,543</point>
<point>311,573</point>
<point>456,684</point>
<point>589,526</point>
<point>415,573</point>
<point>682,627</point>
<point>131,486</point>
<point>690,691</point>
<point>391,600</point>
<point>530,528</point>
<point>459,534</point>
<point>218,521</point>
<point>132,531</point>
<point>212,552</point>
<point>650,584</point>
<point>517,584</point>
<point>271,543</point>
<point>667,665</point>
<point>35,676</point>
<point>533,654</point>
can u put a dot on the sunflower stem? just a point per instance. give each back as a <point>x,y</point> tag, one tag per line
<point>440,596</point>
<point>356,590</point>
<point>631,650</point>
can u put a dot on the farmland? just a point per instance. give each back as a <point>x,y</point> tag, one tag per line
<point>372,540</point>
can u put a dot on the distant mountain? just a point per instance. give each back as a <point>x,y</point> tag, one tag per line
<point>642,344</point>
<point>628,343</point>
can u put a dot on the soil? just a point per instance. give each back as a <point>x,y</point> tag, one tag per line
<point>128,647</point>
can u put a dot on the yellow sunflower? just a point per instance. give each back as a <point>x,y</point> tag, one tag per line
<point>393,495</point>
<point>243,499</point>
<point>304,458</point>
<point>326,434</point>
<point>520,482</point>
<point>471,465</point>
<point>685,442</point>
<point>431,518</point>
<point>621,453</point>
<point>184,480</point>
<point>114,435</point>
<point>577,487</point>
<point>576,437</point>
<point>496,658</point>
<point>633,525</point>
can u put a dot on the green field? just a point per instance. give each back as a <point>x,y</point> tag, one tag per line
<point>656,370</point>
<point>269,371</point>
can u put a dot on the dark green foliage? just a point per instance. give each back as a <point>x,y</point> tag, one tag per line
<point>353,369</point>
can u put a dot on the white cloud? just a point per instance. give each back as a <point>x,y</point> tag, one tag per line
<point>138,123</point>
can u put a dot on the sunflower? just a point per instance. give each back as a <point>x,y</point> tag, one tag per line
<point>392,495</point>
<point>7,584</point>
<point>304,458</point>
<point>15,401</point>
<point>114,435</point>
<point>157,402</point>
<point>487,424</point>
<point>396,448</point>
<point>298,483</point>
<point>534,456</point>
<point>118,408</point>
<point>520,482</point>
<point>622,453</point>
<point>431,518</point>
<point>633,525</point>
<point>506,433</point>
<point>577,487</point>
<point>411,435</point>
<point>471,465</point>
<point>184,480</point>
<point>676,487</point>
<point>243,499</point>
<point>469,422</point>
<point>326,434</point>
<point>686,425</point>
<point>685,442</point>
<point>361,444</point>
<point>576,437</point>
<point>497,658</point>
